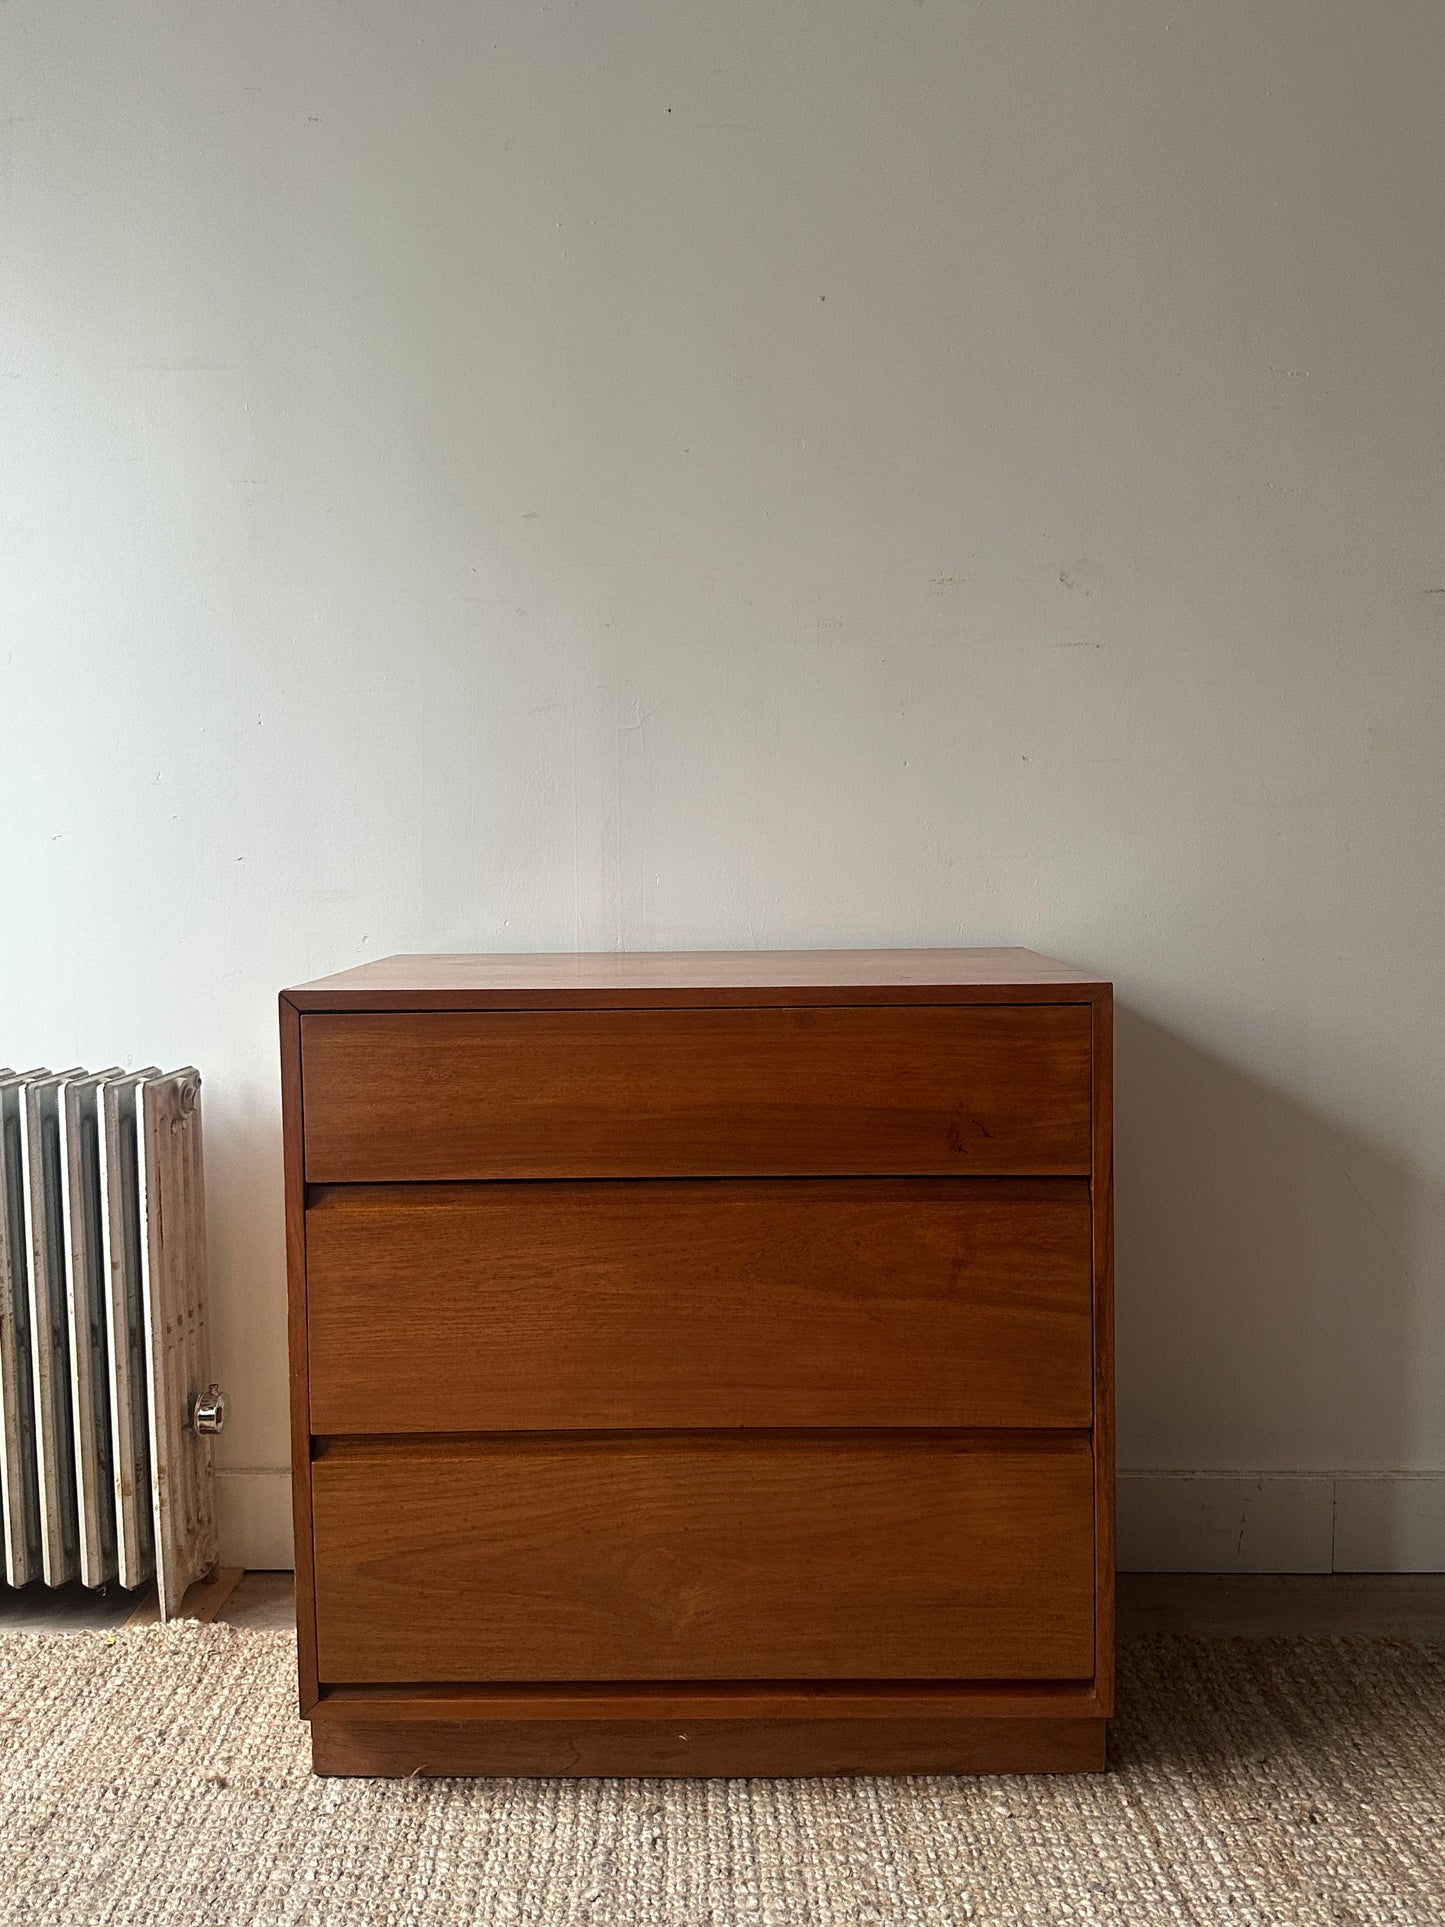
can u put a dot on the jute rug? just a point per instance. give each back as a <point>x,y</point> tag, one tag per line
<point>158,1778</point>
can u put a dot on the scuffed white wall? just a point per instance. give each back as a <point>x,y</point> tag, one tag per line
<point>526,476</point>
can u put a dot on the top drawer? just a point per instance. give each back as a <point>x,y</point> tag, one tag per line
<point>953,1090</point>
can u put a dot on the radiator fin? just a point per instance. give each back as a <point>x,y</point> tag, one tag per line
<point>49,1329</point>
<point>120,1235</point>
<point>80,1213</point>
<point>19,1495</point>
<point>173,1267</point>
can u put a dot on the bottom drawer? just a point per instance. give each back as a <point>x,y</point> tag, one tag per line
<point>710,1556</point>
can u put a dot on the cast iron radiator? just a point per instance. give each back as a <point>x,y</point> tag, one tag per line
<point>105,1392</point>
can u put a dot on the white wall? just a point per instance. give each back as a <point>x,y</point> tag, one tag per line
<point>525,476</point>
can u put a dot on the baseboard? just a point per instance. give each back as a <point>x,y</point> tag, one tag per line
<point>253,1517</point>
<point>1281,1522</point>
<point>1168,1521</point>
<point>1390,1524</point>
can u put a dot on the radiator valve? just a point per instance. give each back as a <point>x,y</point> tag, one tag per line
<point>208,1414</point>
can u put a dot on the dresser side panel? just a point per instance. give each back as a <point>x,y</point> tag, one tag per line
<point>1102,1186</point>
<point>293,1153</point>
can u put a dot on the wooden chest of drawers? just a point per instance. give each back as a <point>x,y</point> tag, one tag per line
<point>702,1364</point>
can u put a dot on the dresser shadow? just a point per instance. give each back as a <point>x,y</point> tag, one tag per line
<point>1267,1324</point>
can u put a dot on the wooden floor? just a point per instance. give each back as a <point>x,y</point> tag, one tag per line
<point>1216,1606</point>
<point>265,1600</point>
<point>1397,1605</point>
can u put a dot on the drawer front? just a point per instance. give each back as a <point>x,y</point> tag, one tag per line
<point>899,1302</point>
<point>792,1557</point>
<point>951,1090</point>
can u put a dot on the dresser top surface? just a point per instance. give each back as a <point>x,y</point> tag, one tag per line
<point>603,979</point>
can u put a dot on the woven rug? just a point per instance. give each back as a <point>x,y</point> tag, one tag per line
<point>158,1778</point>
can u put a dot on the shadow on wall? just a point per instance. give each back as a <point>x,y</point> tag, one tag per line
<point>1265,1315</point>
<point>247,1253</point>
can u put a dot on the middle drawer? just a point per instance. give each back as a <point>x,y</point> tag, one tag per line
<point>699,1303</point>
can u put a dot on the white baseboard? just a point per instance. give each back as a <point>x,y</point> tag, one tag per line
<point>1168,1521</point>
<point>253,1517</point>
<point>1281,1522</point>
<point>1394,1523</point>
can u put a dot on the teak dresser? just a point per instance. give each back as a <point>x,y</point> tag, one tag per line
<point>701,1364</point>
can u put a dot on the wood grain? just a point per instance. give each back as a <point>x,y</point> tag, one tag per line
<point>813,1302</point>
<point>677,979</point>
<point>949,1090</point>
<point>292,1126</point>
<point>1102,1196</point>
<point>204,1602</point>
<point>824,1699</point>
<point>781,1556</point>
<point>872,1217</point>
<point>710,1750</point>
